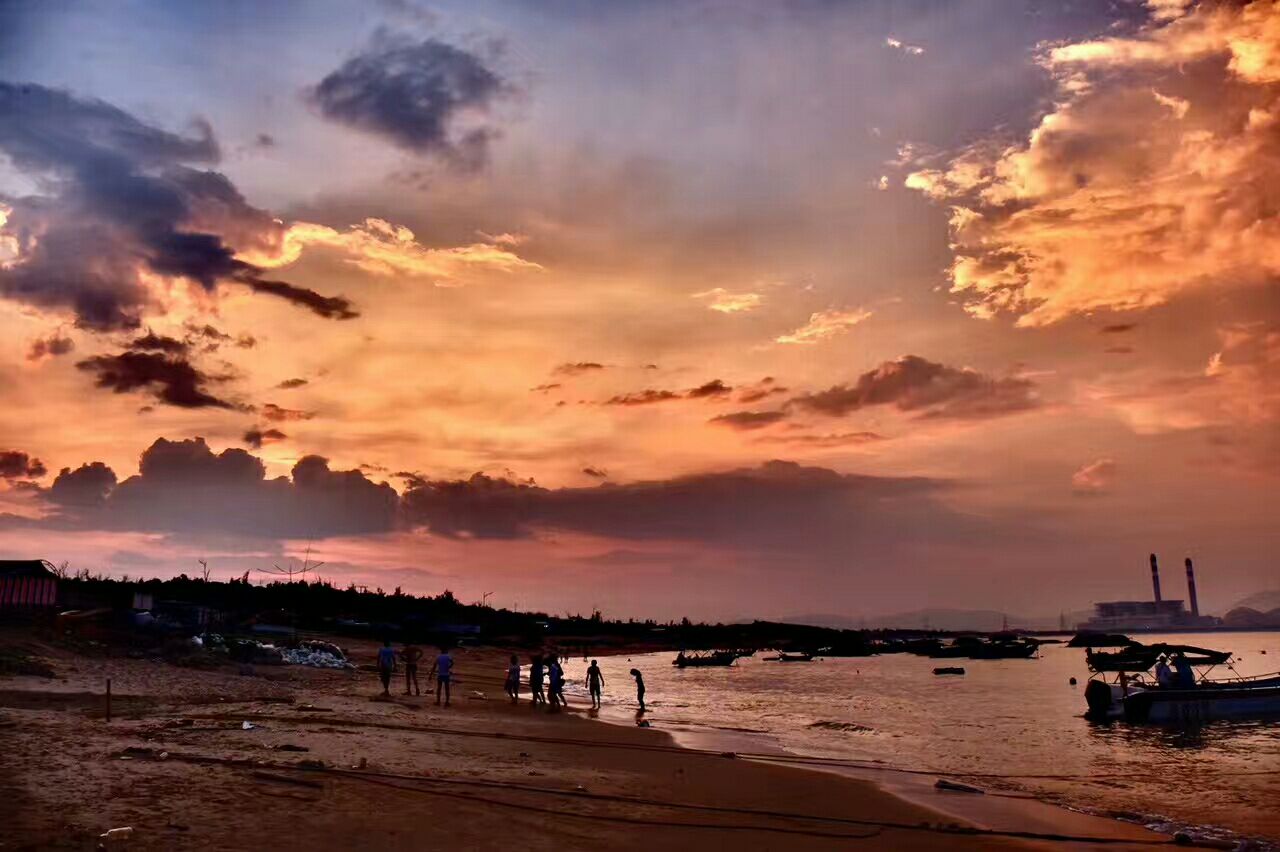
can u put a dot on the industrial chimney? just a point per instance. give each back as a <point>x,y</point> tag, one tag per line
<point>1155,577</point>
<point>1191,589</point>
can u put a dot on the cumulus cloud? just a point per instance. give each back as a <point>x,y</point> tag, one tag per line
<point>184,487</point>
<point>577,368</point>
<point>15,464</point>
<point>277,414</point>
<point>290,384</point>
<point>1152,176</point>
<point>713,388</point>
<point>426,97</point>
<point>1094,478</point>
<point>822,441</point>
<point>898,44</point>
<point>644,397</point>
<point>776,504</point>
<point>915,384</point>
<point>122,210</point>
<point>824,325</point>
<point>722,300</point>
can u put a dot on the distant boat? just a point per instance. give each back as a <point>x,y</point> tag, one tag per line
<point>976,648</point>
<point>1124,686</point>
<point>784,657</point>
<point>707,658</point>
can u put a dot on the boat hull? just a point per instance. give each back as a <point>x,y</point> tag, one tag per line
<point>1191,706</point>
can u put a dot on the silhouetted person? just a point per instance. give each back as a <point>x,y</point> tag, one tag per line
<point>443,670</point>
<point>513,679</point>
<point>1164,674</point>
<point>411,654</point>
<point>595,683</point>
<point>535,681</point>
<point>386,665</point>
<point>635,673</point>
<point>556,675</point>
<point>1186,675</point>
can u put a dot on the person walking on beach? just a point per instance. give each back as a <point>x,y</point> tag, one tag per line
<point>595,683</point>
<point>635,673</point>
<point>556,674</point>
<point>386,665</point>
<point>513,679</point>
<point>411,654</point>
<point>535,681</point>
<point>443,670</point>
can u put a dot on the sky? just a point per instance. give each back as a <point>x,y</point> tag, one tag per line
<point>710,309</point>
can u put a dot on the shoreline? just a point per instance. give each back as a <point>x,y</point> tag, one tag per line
<point>992,810</point>
<point>206,759</point>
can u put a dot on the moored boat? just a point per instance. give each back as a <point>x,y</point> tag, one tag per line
<point>705,658</point>
<point>1124,686</point>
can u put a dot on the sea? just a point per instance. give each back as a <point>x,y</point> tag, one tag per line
<point>1008,726</point>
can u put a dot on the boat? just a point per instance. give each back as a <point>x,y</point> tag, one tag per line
<point>706,658</point>
<point>975,648</point>
<point>1123,686</point>
<point>784,657</point>
<point>949,670</point>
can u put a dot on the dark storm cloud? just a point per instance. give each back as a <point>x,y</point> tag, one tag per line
<point>747,420</point>
<point>915,384</point>
<point>55,344</point>
<point>595,472</point>
<point>256,437</point>
<point>15,464</point>
<point>779,504</point>
<point>171,378</point>
<point>423,96</point>
<point>290,384</point>
<point>120,199</point>
<point>183,486</point>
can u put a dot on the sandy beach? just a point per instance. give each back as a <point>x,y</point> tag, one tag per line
<point>325,763</point>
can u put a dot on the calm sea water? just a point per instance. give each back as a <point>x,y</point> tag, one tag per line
<point>1009,717</point>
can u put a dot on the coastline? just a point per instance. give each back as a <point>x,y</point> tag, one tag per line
<point>178,765</point>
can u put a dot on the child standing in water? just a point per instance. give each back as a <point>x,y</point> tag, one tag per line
<point>513,679</point>
<point>595,681</point>
<point>635,673</point>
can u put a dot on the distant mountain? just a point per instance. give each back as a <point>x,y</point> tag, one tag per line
<point>1261,601</point>
<point>983,620</point>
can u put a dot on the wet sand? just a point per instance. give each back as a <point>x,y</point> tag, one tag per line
<point>177,765</point>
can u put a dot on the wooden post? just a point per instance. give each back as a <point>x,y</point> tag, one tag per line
<point>108,699</point>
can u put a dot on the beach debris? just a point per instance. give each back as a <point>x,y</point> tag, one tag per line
<point>310,764</point>
<point>287,779</point>
<point>364,762</point>
<point>318,654</point>
<point>956,787</point>
<point>476,695</point>
<point>949,670</point>
<point>116,835</point>
<point>291,747</point>
<point>247,726</point>
<point>643,723</point>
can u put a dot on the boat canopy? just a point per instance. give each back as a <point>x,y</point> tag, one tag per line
<point>1140,658</point>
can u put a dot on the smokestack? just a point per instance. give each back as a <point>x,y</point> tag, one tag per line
<point>1191,589</point>
<point>1155,577</point>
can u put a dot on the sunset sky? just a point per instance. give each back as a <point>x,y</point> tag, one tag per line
<point>719,309</point>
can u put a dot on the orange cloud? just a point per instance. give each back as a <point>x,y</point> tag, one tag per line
<point>720,299</point>
<point>1095,477</point>
<point>823,325</point>
<point>1152,176</point>
<point>381,248</point>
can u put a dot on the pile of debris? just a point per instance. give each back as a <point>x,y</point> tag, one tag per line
<point>324,655</point>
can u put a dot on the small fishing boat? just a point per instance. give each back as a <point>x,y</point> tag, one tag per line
<point>784,657</point>
<point>705,658</point>
<point>1124,686</point>
<point>975,648</point>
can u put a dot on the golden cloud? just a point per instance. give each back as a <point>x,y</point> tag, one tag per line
<point>823,325</point>
<point>381,248</point>
<point>1152,176</point>
<point>720,299</point>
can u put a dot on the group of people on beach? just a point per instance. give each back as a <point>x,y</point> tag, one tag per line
<point>543,669</point>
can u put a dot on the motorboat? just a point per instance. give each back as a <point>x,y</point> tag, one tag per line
<point>1124,686</point>
<point>705,658</point>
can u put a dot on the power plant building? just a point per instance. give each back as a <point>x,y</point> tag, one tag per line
<point>1157,614</point>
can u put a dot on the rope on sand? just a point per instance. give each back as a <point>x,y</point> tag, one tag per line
<point>388,778</point>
